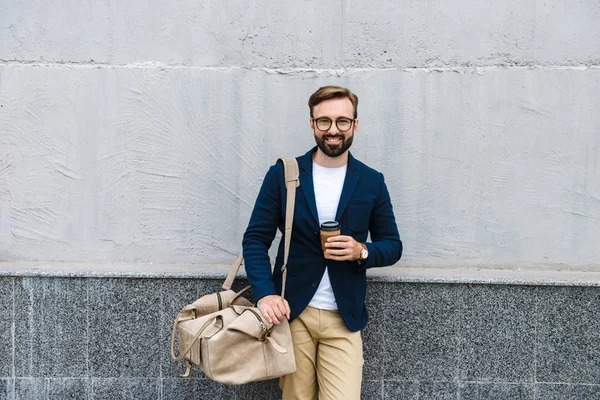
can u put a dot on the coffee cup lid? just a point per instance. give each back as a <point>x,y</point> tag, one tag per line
<point>330,226</point>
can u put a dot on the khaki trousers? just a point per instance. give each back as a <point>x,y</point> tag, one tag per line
<point>329,358</point>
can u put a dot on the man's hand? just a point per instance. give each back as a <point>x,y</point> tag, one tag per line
<point>274,308</point>
<point>343,248</point>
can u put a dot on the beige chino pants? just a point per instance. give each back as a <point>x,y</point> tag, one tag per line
<point>329,358</point>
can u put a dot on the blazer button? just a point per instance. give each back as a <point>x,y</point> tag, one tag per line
<point>315,284</point>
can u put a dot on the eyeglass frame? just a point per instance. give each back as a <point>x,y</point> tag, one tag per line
<point>352,121</point>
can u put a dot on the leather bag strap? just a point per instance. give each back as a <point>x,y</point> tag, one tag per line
<point>292,181</point>
<point>234,270</point>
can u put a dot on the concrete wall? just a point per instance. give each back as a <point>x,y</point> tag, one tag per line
<point>136,132</point>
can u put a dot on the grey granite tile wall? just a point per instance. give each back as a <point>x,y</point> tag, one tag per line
<point>54,389</point>
<point>6,328</point>
<point>420,390</point>
<point>496,391</point>
<point>421,332</point>
<point>372,390</point>
<point>568,335</point>
<point>31,389</point>
<point>68,388</point>
<point>126,389</point>
<point>266,390</point>
<point>438,391</point>
<point>567,392</point>
<point>124,331</point>
<point>192,389</point>
<point>497,331</point>
<point>96,338</point>
<point>6,389</point>
<point>50,327</point>
<point>393,390</point>
<point>373,335</point>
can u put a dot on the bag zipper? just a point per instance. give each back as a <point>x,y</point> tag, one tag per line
<point>262,324</point>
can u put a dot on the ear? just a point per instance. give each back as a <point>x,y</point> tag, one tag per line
<point>312,124</point>
<point>355,125</point>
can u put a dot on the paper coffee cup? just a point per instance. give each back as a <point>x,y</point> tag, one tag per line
<point>329,229</point>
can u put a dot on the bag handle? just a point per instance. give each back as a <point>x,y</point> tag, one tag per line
<point>198,334</point>
<point>292,181</point>
<point>234,270</point>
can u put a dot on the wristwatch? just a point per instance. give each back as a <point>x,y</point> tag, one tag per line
<point>364,253</point>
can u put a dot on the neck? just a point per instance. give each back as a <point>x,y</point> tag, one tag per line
<point>324,160</point>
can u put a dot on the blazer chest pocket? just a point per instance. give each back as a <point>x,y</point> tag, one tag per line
<point>358,214</point>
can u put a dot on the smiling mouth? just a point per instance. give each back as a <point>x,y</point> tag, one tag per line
<point>334,140</point>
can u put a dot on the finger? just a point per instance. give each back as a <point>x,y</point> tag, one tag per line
<point>340,258</point>
<point>341,238</point>
<point>274,319</point>
<point>265,312</point>
<point>339,245</point>
<point>269,313</point>
<point>338,251</point>
<point>277,313</point>
<point>284,309</point>
<point>287,309</point>
<point>339,255</point>
<point>334,245</point>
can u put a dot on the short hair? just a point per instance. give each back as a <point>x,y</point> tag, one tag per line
<point>332,92</point>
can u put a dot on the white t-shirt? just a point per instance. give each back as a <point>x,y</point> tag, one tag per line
<point>328,184</point>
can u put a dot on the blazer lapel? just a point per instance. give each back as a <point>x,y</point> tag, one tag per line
<point>307,185</point>
<point>352,174</point>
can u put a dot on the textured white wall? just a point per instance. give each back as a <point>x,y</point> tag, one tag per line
<point>141,132</point>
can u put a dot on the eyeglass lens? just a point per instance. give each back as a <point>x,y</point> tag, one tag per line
<point>343,124</point>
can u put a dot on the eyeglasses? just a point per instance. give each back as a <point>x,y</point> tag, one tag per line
<point>324,123</point>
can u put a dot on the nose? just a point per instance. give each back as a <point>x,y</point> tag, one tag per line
<point>333,129</point>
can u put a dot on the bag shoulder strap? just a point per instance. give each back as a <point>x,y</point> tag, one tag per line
<point>292,181</point>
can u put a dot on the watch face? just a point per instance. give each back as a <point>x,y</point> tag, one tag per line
<point>364,254</point>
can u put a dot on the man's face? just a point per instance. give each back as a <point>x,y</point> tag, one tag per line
<point>334,142</point>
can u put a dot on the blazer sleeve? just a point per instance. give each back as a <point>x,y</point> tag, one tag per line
<point>385,247</point>
<point>264,221</point>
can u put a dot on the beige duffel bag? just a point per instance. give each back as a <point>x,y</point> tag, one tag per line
<point>228,338</point>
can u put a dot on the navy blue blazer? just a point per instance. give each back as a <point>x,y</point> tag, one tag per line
<point>364,208</point>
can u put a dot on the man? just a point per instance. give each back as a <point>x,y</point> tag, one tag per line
<point>325,297</point>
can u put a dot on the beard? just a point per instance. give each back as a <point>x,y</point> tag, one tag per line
<point>334,150</point>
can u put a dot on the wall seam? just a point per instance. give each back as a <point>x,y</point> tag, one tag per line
<point>343,18</point>
<point>161,319</point>
<point>460,340</point>
<point>536,341</point>
<point>385,339</point>
<point>13,333</point>
<point>87,335</point>
<point>289,70</point>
